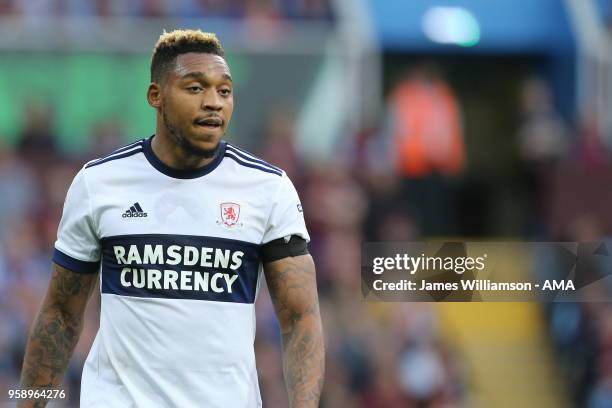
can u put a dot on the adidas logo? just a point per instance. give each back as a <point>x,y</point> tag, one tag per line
<point>134,211</point>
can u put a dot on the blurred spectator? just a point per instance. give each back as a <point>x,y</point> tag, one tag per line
<point>600,395</point>
<point>7,7</point>
<point>590,150</point>
<point>18,189</point>
<point>426,126</point>
<point>38,8</point>
<point>278,143</point>
<point>543,136</point>
<point>543,140</point>
<point>260,10</point>
<point>582,332</point>
<point>107,135</point>
<point>427,146</point>
<point>38,141</point>
<point>311,9</point>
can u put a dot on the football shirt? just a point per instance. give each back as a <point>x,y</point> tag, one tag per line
<point>179,258</point>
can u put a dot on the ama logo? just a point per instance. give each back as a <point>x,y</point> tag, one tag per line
<point>230,215</point>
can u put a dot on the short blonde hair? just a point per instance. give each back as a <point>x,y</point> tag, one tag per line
<point>176,42</point>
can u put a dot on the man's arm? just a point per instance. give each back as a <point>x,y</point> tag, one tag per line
<point>56,330</point>
<point>293,289</point>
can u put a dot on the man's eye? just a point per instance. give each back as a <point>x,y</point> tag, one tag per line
<point>225,92</point>
<point>194,88</point>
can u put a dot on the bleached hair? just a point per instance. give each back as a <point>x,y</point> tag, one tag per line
<point>174,43</point>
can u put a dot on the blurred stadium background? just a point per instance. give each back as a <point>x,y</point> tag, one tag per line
<point>396,120</point>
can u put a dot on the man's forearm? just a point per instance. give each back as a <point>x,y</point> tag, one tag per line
<point>293,291</point>
<point>51,343</point>
<point>304,361</point>
<point>55,331</point>
<point>53,338</point>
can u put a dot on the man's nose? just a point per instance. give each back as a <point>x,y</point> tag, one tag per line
<point>212,100</point>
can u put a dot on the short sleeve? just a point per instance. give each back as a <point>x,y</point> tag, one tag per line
<point>77,247</point>
<point>287,216</point>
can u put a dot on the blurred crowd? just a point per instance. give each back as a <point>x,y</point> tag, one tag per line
<point>557,162</point>
<point>393,183</point>
<point>270,9</point>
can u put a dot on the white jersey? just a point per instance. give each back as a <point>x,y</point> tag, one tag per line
<point>179,255</point>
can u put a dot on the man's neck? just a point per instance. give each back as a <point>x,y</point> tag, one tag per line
<point>173,155</point>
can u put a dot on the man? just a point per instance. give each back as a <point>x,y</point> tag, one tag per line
<point>179,225</point>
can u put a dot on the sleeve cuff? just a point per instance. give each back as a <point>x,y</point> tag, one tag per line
<point>75,265</point>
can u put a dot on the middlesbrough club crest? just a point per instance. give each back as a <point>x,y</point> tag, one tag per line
<point>230,215</point>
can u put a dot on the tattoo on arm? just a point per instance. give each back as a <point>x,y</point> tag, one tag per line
<point>56,330</point>
<point>293,290</point>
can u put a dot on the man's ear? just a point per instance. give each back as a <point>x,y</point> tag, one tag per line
<point>154,95</point>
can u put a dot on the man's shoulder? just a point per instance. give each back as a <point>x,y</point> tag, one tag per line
<point>250,163</point>
<point>115,157</point>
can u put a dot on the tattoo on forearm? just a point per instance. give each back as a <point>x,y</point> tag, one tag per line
<point>293,291</point>
<point>56,330</point>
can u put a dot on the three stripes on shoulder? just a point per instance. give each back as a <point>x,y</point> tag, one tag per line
<point>120,153</point>
<point>248,160</point>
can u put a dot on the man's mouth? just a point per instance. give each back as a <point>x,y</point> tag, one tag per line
<point>209,123</point>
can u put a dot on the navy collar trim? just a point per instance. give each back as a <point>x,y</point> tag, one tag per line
<point>182,173</point>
